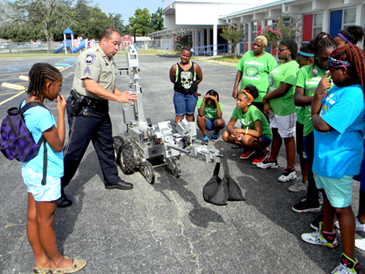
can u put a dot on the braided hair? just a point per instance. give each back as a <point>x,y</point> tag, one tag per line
<point>323,41</point>
<point>353,33</point>
<point>38,75</point>
<point>356,57</point>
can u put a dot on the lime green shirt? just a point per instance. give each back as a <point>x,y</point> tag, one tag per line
<point>209,111</point>
<point>284,73</point>
<point>255,71</point>
<point>309,82</point>
<point>250,117</point>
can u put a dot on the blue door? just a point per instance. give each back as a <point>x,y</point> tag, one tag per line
<point>335,22</point>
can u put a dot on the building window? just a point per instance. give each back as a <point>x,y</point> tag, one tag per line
<point>317,24</point>
<point>349,17</point>
<point>254,29</point>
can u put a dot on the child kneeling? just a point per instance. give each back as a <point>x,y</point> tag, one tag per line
<point>255,133</point>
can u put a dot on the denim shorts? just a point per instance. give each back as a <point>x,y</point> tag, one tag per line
<point>184,104</point>
<point>338,190</point>
<point>51,191</point>
<point>265,141</point>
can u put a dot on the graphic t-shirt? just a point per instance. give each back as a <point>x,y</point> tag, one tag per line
<point>209,111</point>
<point>309,82</point>
<point>250,117</point>
<point>339,152</point>
<point>37,120</point>
<point>286,73</point>
<point>255,71</point>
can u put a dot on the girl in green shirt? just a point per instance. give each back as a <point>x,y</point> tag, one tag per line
<point>279,106</point>
<point>210,113</point>
<point>255,134</point>
<point>305,57</point>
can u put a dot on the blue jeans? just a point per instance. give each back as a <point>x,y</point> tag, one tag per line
<point>312,191</point>
<point>184,103</point>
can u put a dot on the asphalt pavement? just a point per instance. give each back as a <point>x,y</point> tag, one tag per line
<point>166,227</point>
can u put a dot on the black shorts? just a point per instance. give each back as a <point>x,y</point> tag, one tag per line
<point>299,139</point>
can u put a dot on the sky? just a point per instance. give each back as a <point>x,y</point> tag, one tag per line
<point>127,7</point>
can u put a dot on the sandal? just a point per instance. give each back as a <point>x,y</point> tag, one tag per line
<point>42,270</point>
<point>77,264</point>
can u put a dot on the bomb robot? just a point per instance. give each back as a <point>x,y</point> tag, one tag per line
<point>163,142</point>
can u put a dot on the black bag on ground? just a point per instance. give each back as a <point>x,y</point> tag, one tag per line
<point>218,191</point>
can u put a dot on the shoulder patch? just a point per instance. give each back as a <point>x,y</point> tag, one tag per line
<point>90,59</point>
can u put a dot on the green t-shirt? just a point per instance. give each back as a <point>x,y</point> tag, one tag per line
<point>255,71</point>
<point>309,82</point>
<point>250,117</point>
<point>286,73</point>
<point>209,111</point>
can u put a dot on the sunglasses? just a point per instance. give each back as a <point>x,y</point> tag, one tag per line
<point>280,50</point>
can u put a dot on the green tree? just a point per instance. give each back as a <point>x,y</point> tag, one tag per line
<point>140,23</point>
<point>117,23</point>
<point>157,20</point>
<point>281,29</point>
<point>37,18</point>
<point>234,34</point>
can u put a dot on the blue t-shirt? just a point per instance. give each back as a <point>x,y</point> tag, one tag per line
<point>37,120</point>
<point>339,151</point>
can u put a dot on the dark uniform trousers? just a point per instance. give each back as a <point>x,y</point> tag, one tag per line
<point>95,127</point>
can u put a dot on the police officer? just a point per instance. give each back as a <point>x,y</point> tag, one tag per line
<point>88,117</point>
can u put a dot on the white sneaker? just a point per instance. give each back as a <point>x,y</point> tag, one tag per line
<point>298,186</point>
<point>360,244</point>
<point>359,226</point>
<point>288,175</point>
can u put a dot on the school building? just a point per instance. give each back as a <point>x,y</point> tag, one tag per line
<point>203,19</point>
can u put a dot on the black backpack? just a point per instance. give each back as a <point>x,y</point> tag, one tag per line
<point>218,191</point>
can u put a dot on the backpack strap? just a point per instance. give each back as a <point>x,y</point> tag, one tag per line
<point>41,140</point>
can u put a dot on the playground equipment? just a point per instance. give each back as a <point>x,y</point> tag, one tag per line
<point>74,44</point>
<point>147,143</point>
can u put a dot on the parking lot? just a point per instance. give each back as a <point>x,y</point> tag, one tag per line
<point>165,227</point>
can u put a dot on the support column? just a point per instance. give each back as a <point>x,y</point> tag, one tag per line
<point>249,42</point>
<point>326,21</point>
<point>360,21</point>
<point>215,39</point>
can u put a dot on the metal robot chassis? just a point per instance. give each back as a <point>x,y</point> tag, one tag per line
<point>163,142</point>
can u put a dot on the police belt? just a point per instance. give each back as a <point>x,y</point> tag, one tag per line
<point>95,103</point>
<point>79,101</point>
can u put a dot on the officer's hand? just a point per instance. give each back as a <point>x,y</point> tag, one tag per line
<point>127,97</point>
<point>61,103</point>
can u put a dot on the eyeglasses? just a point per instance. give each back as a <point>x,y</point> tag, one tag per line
<point>280,50</point>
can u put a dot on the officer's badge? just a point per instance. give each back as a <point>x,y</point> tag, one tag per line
<point>90,59</point>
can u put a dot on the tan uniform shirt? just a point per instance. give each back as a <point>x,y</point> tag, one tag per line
<point>94,64</point>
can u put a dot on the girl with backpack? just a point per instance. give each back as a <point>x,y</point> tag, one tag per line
<point>45,82</point>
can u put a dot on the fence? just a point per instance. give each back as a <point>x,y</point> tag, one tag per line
<point>209,50</point>
<point>49,48</point>
<point>27,48</point>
